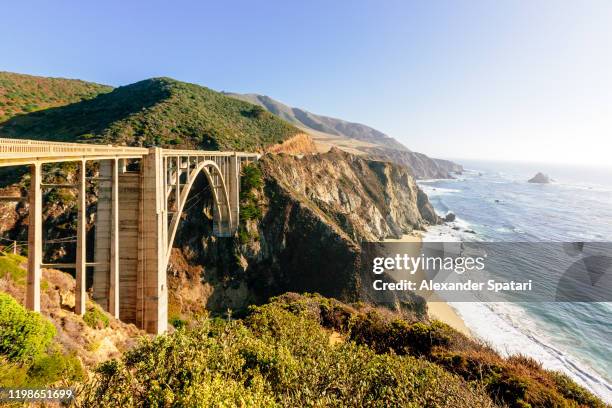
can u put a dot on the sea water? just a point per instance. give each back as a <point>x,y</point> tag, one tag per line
<point>494,202</point>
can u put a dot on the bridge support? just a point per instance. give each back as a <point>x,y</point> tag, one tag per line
<point>153,291</point>
<point>233,189</point>
<point>81,247</point>
<point>34,239</point>
<point>106,269</point>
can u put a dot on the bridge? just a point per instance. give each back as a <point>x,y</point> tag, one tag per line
<point>141,195</point>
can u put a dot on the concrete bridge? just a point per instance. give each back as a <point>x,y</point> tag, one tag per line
<point>141,195</point>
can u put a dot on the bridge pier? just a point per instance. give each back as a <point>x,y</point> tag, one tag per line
<point>233,189</point>
<point>106,254</point>
<point>81,247</point>
<point>153,291</point>
<point>34,239</point>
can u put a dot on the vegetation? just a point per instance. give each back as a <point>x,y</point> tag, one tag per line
<point>95,318</point>
<point>161,112</point>
<point>24,335</point>
<point>10,268</point>
<point>28,355</point>
<point>517,381</point>
<point>272,358</point>
<point>21,94</point>
<point>251,183</point>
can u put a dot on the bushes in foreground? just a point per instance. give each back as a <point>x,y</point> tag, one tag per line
<point>516,381</point>
<point>24,335</point>
<point>273,358</point>
<point>28,356</point>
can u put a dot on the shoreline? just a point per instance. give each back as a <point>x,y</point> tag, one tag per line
<point>438,310</point>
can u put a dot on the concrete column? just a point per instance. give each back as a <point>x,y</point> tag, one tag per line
<point>233,188</point>
<point>152,291</point>
<point>113,296</point>
<point>102,243</point>
<point>129,221</point>
<point>81,255</point>
<point>34,239</point>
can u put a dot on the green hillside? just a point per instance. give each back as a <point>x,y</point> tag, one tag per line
<point>158,111</point>
<point>25,93</point>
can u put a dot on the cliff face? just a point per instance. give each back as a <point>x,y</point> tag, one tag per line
<point>368,200</point>
<point>315,210</point>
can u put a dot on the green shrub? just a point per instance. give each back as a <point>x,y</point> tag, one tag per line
<point>177,322</point>
<point>10,267</point>
<point>53,367</point>
<point>569,389</point>
<point>95,318</point>
<point>251,178</point>
<point>24,335</point>
<point>273,358</point>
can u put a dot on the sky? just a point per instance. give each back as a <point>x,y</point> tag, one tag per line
<point>499,80</point>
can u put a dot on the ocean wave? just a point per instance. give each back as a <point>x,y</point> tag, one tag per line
<point>509,329</point>
<point>438,191</point>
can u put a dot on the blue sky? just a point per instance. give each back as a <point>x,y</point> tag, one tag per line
<point>514,80</point>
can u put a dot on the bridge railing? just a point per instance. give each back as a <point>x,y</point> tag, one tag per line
<point>202,153</point>
<point>18,151</point>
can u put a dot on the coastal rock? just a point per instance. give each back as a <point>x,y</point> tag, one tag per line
<point>450,217</point>
<point>540,178</point>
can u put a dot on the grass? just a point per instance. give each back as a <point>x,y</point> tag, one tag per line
<point>161,112</point>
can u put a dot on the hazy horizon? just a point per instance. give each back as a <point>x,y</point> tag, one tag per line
<point>474,79</point>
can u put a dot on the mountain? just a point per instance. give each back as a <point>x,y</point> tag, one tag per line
<point>157,111</point>
<point>354,138</point>
<point>20,94</point>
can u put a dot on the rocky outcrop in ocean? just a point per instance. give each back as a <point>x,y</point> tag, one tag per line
<point>540,178</point>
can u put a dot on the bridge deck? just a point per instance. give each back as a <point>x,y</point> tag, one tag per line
<point>14,152</point>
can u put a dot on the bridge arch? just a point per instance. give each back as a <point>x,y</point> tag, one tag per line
<point>222,214</point>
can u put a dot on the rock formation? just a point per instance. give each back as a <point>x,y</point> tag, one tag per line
<point>540,178</point>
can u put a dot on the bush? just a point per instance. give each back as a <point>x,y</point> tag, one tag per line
<point>95,318</point>
<point>24,335</point>
<point>273,358</point>
<point>53,367</point>
<point>10,267</point>
<point>250,179</point>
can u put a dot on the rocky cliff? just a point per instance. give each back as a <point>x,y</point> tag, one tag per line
<point>313,212</point>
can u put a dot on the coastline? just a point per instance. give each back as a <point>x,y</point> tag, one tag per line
<point>546,333</point>
<point>438,310</point>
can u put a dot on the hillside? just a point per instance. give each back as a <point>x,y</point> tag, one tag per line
<point>157,111</point>
<point>21,94</point>
<point>355,138</point>
<point>325,124</point>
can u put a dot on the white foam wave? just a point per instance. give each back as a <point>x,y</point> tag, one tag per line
<point>509,329</point>
<point>438,191</point>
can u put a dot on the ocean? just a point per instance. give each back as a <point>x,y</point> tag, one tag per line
<point>494,200</point>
